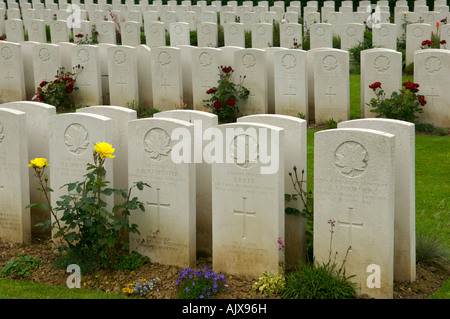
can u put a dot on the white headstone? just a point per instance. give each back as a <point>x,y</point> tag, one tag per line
<point>234,34</point>
<point>404,213</point>
<point>167,227</point>
<point>385,36</point>
<point>250,63</point>
<point>106,32</point>
<point>352,34</point>
<point>331,85</point>
<point>207,34</point>
<point>291,35</point>
<point>59,31</point>
<point>71,145</point>
<point>14,30</point>
<point>36,31</point>
<point>122,75</point>
<point>431,72</point>
<point>248,206</point>
<point>205,74</point>
<point>291,83</point>
<point>15,226</point>
<point>416,33</point>
<point>354,197</point>
<point>131,33</point>
<point>202,122</point>
<point>120,117</point>
<point>166,77</point>
<point>262,35</point>
<point>379,65</point>
<point>155,35</point>
<point>12,78</point>
<point>89,80</point>
<point>321,35</point>
<point>179,34</point>
<point>46,62</point>
<point>37,115</point>
<point>295,155</point>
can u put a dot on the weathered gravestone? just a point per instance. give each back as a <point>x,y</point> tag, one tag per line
<point>12,77</point>
<point>167,227</point>
<point>234,34</point>
<point>385,36</point>
<point>205,74</point>
<point>89,80</point>
<point>416,33</point>
<point>321,35</point>
<point>251,63</point>
<point>37,115</point>
<point>202,122</point>
<point>404,212</point>
<point>354,198</point>
<point>431,71</point>
<point>46,62</point>
<point>71,145</point>
<point>248,201</point>
<point>122,75</point>
<point>295,155</point>
<point>379,65</point>
<point>166,77</point>
<point>331,85</point>
<point>15,224</point>
<point>291,83</point>
<point>120,117</point>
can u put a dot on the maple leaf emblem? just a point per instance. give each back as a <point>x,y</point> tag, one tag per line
<point>351,158</point>
<point>157,143</point>
<point>245,151</point>
<point>76,139</point>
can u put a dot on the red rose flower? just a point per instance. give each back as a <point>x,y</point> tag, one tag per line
<point>226,69</point>
<point>79,35</point>
<point>375,86</point>
<point>422,100</point>
<point>443,42</point>
<point>217,105</point>
<point>43,83</point>
<point>2,38</point>
<point>69,88</point>
<point>211,90</point>
<point>231,101</point>
<point>411,86</point>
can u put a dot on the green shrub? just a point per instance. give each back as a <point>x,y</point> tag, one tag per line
<point>132,261</point>
<point>311,281</point>
<point>20,267</point>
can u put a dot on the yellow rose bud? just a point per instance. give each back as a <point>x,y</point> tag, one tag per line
<point>38,163</point>
<point>104,150</point>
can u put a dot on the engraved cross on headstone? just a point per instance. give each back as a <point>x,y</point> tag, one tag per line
<point>121,83</point>
<point>244,213</point>
<point>165,85</point>
<point>8,77</point>
<point>350,224</point>
<point>330,94</point>
<point>158,206</point>
<point>432,95</point>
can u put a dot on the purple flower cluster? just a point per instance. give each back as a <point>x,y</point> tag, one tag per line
<point>200,283</point>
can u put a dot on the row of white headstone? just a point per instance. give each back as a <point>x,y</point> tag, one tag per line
<point>364,183</point>
<point>314,83</point>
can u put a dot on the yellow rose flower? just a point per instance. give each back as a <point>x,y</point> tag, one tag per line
<point>38,163</point>
<point>104,150</point>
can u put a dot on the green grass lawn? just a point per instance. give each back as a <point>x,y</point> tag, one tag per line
<point>432,207</point>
